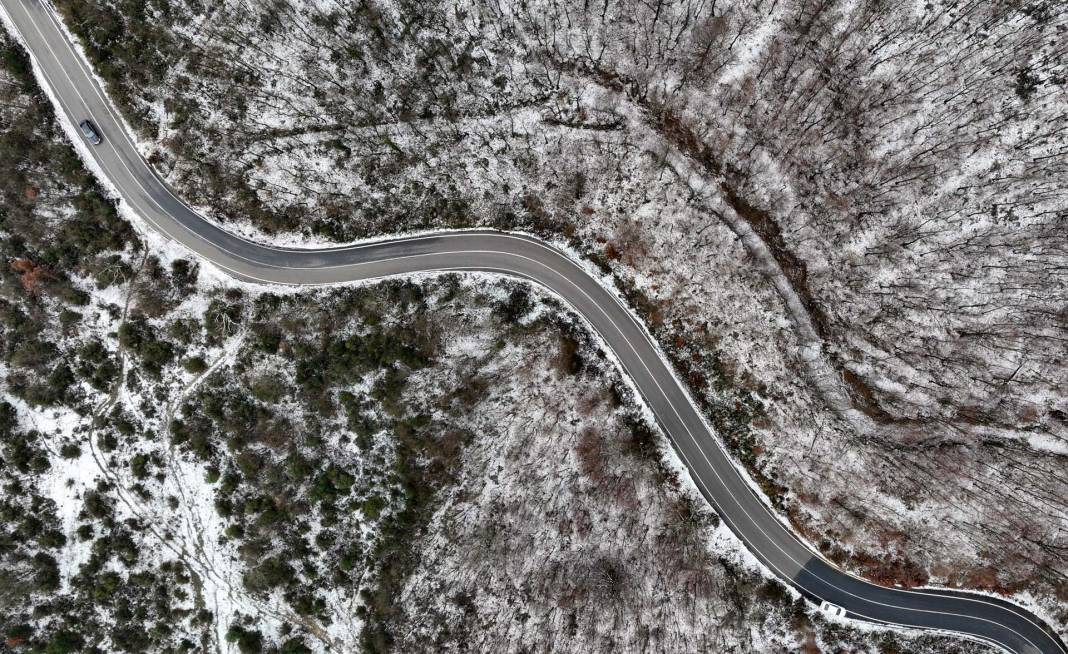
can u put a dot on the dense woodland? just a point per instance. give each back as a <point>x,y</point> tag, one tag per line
<point>165,443</point>
<point>57,231</point>
<point>902,166</point>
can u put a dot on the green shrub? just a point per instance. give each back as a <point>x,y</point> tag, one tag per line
<point>139,466</point>
<point>294,646</point>
<point>67,318</point>
<point>249,641</point>
<point>64,642</point>
<point>195,365</point>
<point>268,389</point>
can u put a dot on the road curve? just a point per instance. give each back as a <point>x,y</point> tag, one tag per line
<point>78,96</point>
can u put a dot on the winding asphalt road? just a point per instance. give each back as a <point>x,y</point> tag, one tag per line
<point>78,95</point>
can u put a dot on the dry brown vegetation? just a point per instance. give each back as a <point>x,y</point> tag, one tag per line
<point>903,163</point>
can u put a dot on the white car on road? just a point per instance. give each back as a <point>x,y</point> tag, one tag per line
<point>832,609</point>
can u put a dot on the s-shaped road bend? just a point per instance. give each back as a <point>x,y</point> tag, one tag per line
<point>77,95</point>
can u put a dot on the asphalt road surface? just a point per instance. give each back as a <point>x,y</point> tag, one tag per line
<point>733,497</point>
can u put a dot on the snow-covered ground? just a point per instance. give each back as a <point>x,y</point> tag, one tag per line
<point>930,247</point>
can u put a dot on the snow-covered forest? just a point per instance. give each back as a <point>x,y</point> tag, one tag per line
<point>844,221</point>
